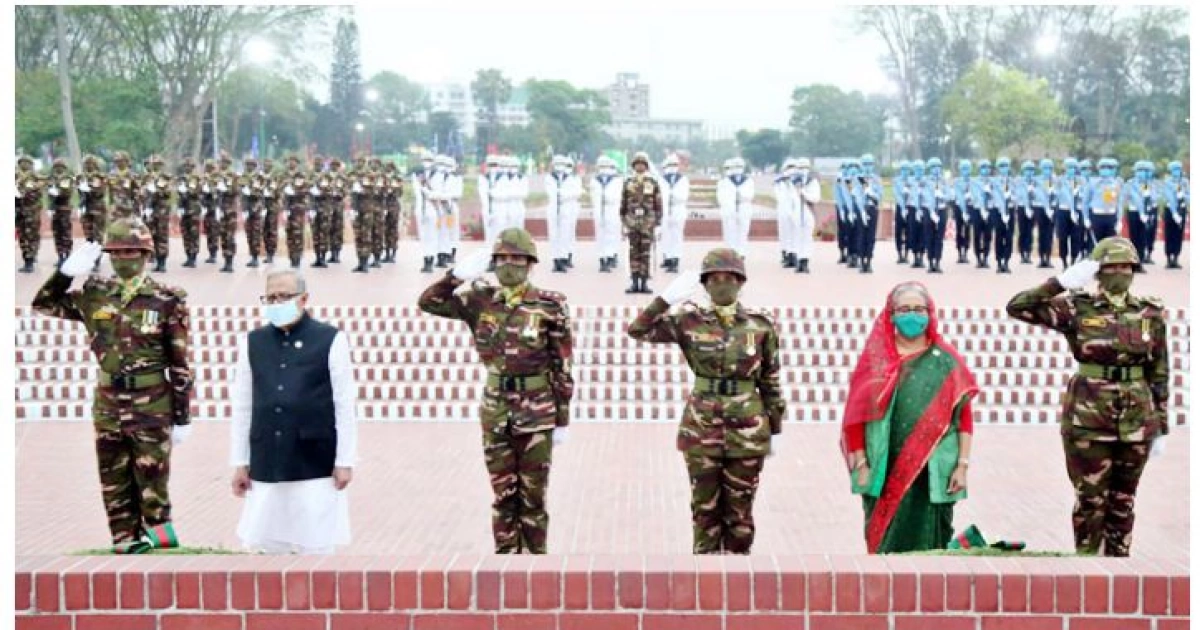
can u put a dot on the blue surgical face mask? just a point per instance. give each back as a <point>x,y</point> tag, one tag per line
<point>1107,172</point>
<point>911,325</point>
<point>283,313</point>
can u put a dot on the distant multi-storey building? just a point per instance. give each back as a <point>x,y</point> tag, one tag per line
<point>457,99</point>
<point>680,130</point>
<point>628,97</point>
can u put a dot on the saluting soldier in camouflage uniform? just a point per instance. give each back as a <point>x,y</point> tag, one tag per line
<point>294,183</point>
<point>187,189</point>
<point>523,336</point>
<point>251,187</point>
<point>93,199</point>
<point>123,187</point>
<point>156,191</point>
<point>736,404</point>
<point>210,201</point>
<point>139,333</point>
<point>29,211</point>
<point>58,192</point>
<point>270,211</point>
<point>1115,406</point>
<point>226,196</point>
<point>641,214</point>
<point>392,211</point>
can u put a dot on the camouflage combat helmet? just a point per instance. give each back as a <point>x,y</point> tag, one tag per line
<point>127,233</point>
<point>723,259</point>
<point>121,156</point>
<point>640,156</point>
<point>515,241</point>
<point>250,160</point>
<point>59,163</point>
<point>26,159</point>
<point>89,159</point>
<point>225,159</point>
<point>155,159</point>
<point>1115,250</point>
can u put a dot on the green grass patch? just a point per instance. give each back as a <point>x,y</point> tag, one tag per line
<point>181,551</point>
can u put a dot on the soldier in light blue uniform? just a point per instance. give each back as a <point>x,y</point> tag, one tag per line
<point>900,215</point>
<point>1086,238</point>
<point>935,194</point>
<point>962,210</point>
<point>1177,192</point>
<point>1068,219</point>
<point>868,218</point>
<point>981,190</point>
<point>916,216</point>
<point>1103,202</point>
<point>1043,210</point>
<point>1139,202</point>
<point>843,208</point>
<point>852,192</point>
<point>1000,213</point>
<point>1023,199</point>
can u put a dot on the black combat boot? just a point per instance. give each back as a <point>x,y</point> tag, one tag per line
<point>604,268</point>
<point>28,268</point>
<point>1148,260</point>
<point>212,257</point>
<point>558,267</point>
<point>362,265</point>
<point>375,261</point>
<point>866,266</point>
<point>270,259</point>
<point>190,262</point>
<point>918,261</point>
<point>612,261</point>
<point>852,261</point>
<point>674,268</point>
<point>295,260</point>
<point>789,261</point>
<point>428,268</point>
<point>441,260</point>
<point>253,262</point>
<point>841,257</point>
<point>665,263</point>
<point>569,261</point>
<point>228,268</point>
<point>161,267</point>
<point>334,256</point>
<point>453,257</point>
<point>320,262</point>
<point>645,284</point>
<point>802,265</point>
<point>633,284</point>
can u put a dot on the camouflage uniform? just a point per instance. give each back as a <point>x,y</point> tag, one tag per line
<point>337,217</point>
<point>58,193</point>
<point>156,190</point>
<point>188,191</point>
<point>29,211</point>
<point>139,333</point>
<point>523,337</point>
<point>392,212</point>
<point>331,185</point>
<point>641,214</point>
<point>735,406</point>
<point>93,193</point>
<point>226,198</point>
<point>250,185</point>
<point>1116,405</point>
<point>298,182</point>
<point>270,219</point>
<point>123,187</point>
<point>211,200</point>
<point>366,219</point>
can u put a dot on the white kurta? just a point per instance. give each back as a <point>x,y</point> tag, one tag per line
<point>308,516</point>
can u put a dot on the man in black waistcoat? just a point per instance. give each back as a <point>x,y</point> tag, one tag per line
<point>294,438</point>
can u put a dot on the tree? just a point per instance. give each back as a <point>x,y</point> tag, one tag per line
<point>899,28</point>
<point>566,119</point>
<point>763,148</point>
<point>827,121</point>
<point>490,89</point>
<point>442,125</point>
<point>1003,109</point>
<point>64,86</point>
<point>345,87</point>
<point>397,112</point>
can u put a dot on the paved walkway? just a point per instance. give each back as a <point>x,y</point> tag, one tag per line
<point>615,488</point>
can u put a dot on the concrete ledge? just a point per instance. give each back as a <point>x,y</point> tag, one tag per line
<point>599,592</point>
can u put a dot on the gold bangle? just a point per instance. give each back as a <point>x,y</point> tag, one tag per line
<point>862,463</point>
<point>963,461</point>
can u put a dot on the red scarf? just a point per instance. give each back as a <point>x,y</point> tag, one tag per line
<point>871,389</point>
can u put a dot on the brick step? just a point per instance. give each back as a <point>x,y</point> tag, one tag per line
<point>679,375</point>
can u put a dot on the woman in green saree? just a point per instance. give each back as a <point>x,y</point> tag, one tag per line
<point>906,431</point>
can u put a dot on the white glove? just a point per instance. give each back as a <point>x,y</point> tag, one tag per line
<point>81,211</point>
<point>473,266</point>
<point>1157,448</point>
<point>84,188</point>
<point>935,218</point>
<point>1029,213</point>
<point>1119,224</point>
<point>53,192</point>
<point>205,188</point>
<point>147,213</point>
<point>288,190</point>
<point>560,436</point>
<point>182,189</point>
<point>1087,223</point>
<point>357,188</point>
<point>179,211</point>
<point>314,191</point>
<point>81,260</point>
<point>246,190</point>
<point>221,187</point>
<point>1078,276</point>
<point>681,288</point>
<point>1177,218</point>
<point>312,215</point>
<point>180,433</point>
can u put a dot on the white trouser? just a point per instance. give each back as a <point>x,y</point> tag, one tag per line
<point>802,233</point>
<point>448,229</point>
<point>554,230</point>
<point>490,219</point>
<point>735,228</point>
<point>672,232</point>
<point>568,217</point>
<point>785,222</point>
<point>608,229</point>
<point>427,229</point>
<point>516,214</point>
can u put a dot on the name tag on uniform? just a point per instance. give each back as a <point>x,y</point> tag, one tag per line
<point>1094,322</point>
<point>647,188</point>
<point>106,312</point>
<point>639,212</point>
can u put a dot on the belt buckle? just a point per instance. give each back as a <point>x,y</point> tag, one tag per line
<point>122,381</point>
<point>1120,373</point>
<point>725,387</point>
<point>512,383</point>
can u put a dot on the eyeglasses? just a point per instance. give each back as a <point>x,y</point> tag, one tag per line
<point>920,310</point>
<point>276,298</point>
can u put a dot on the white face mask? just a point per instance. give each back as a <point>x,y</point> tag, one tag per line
<point>670,170</point>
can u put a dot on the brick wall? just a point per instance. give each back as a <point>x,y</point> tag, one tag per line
<point>599,593</point>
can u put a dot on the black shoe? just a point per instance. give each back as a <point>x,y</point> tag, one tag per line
<point>918,261</point>
<point>28,268</point>
<point>789,261</point>
<point>362,265</point>
<point>901,259</point>
<point>190,262</point>
<point>633,285</point>
<point>783,258</point>
<point>674,268</point>
<point>569,261</point>
<point>253,262</point>
<point>802,265</point>
<point>228,268</point>
<point>441,260</point>
<point>1139,269</point>
<point>866,266</point>
<point>453,255</point>
<point>428,268</point>
<point>841,258</point>
<point>935,266</point>
<point>270,259</point>
<point>666,262</point>
<point>161,267</point>
<point>852,261</point>
<point>604,268</point>
<point>612,261</point>
<point>212,258</point>
<point>646,287</point>
<point>295,260</point>
<point>558,266</point>
<point>1148,260</point>
<point>320,262</point>
<point>391,257</point>
<point>1173,263</point>
<point>333,257</point>
<point>1044,264</point>
<point>375,261</point>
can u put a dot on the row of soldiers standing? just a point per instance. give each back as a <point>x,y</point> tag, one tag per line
<point>1077,208</point>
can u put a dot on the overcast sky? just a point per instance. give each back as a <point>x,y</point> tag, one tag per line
<point>727,63</point>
